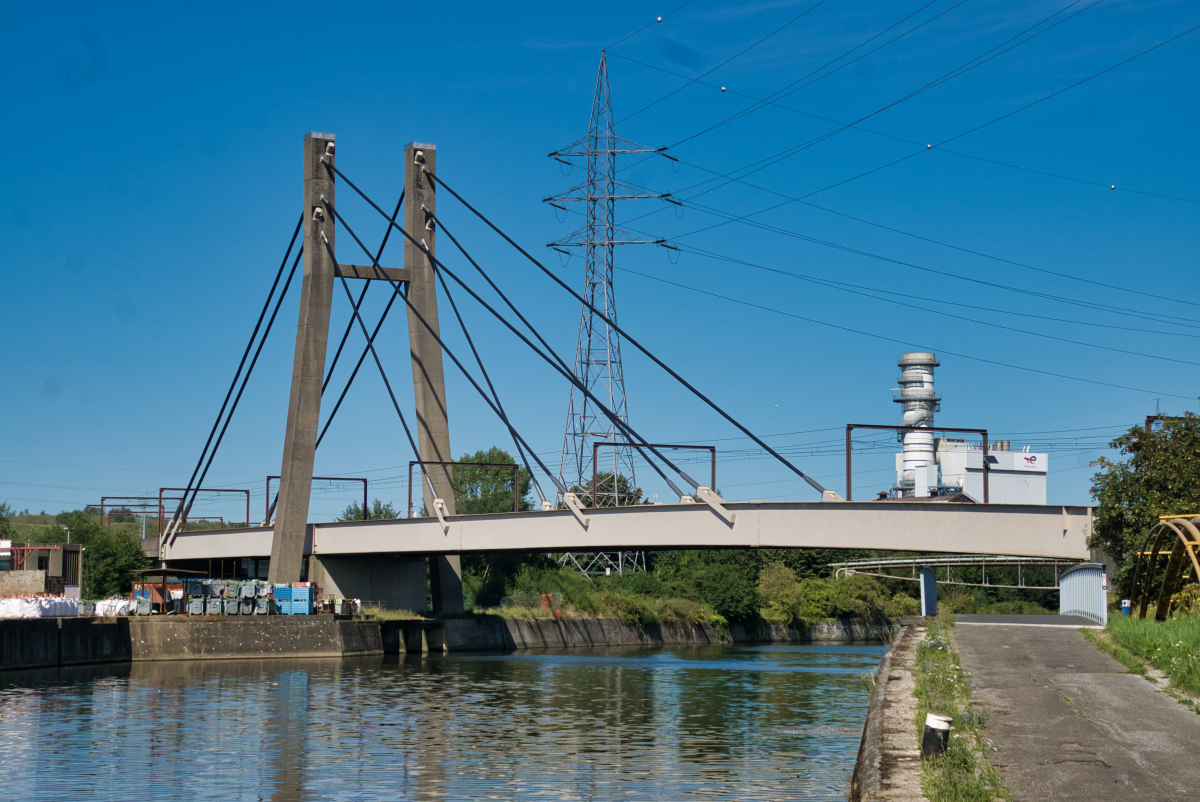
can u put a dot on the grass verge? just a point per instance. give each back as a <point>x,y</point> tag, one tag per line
<point>1103,641</point>
<point>962,773</point>
<point>1171,646</point>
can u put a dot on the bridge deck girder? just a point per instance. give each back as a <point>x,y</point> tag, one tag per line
<point>1026,530</point>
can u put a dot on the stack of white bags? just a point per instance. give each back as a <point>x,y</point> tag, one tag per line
<point>110,607</point>
<point>38,607</point>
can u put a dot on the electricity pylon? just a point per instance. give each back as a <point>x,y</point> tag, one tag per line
<point>598,346</point>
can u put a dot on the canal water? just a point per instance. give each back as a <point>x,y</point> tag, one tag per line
<point>768,722</point>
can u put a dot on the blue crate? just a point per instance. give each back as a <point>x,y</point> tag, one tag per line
<point>298,607</point>
<point>283,593</point>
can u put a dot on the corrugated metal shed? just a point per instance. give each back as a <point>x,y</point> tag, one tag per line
<point>1083,591</point>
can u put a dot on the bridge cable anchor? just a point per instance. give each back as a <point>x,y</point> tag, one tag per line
<point>439,507</point>
<point>710,498</point>
<point>572,501</point>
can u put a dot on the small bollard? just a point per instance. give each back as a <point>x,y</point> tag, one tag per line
<point>937,735</point>
<point>1125,606</point>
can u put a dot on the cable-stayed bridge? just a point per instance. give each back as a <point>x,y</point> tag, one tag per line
<point>387,559</point>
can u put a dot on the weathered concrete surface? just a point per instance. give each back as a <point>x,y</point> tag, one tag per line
<point>397,580</point>
<point>842,631</point>
<point>93,640</point>
<point>240,637</point>
<point>889,757</point>
<point>28,642</point>
<point>1068,723</point>
<point>46,642</point>
<point>464,634</point>
<point>22,583</point>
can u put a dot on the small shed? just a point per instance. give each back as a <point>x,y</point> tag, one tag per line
<point>1083,591</point>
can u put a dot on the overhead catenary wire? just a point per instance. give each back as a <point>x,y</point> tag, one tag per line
<point>180,510</point>
<point>815,485</point>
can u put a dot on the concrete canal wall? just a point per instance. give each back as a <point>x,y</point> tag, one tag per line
<point>48,642</point>
<point>889,758</point>
<point>488,633</point>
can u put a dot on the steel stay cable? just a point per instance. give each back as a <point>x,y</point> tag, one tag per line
<point>357,365</point>
<point>361,295</point>
<point>371,347</point>
<point>179,510</point>
<point>624,426</point>
<point>429,328</point>
<point>246,380</point>
<point>499,406</point>
<point>644,27</point>
<point>626,335</point>
<point>562,366</point>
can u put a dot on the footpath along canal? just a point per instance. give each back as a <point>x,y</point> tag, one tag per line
<point>763,721</point>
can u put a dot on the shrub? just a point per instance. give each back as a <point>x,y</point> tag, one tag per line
<point>958,601</point>
<point>780,591</point>
<point>901,605</point>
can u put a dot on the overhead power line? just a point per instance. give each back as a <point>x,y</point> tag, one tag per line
<point>787,24</point>
<point>1086,181</point>
<point>905,343</point>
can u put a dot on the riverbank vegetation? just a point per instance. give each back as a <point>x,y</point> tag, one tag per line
<point>1171,646</point>
<point>962,773</point>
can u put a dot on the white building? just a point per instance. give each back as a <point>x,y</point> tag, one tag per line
<point>930,466</point>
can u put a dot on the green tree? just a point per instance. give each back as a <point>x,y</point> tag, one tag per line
<point>1159,474</point>
<point>779,590</point>
<point>377,512</point>
<point>5,526</point>
<point>479,490</point>
<point>109,557</point>
<point>627,495</point>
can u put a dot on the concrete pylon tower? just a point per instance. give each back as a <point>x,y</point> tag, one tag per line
<point>598,347</point>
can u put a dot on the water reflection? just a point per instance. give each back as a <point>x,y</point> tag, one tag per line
<point>768,722</point>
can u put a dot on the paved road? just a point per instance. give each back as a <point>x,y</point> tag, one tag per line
<point>1068,724</point>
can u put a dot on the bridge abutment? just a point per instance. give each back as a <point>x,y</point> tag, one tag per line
<point>396,580</point>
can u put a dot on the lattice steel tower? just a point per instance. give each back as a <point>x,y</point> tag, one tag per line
<point>598,348</point>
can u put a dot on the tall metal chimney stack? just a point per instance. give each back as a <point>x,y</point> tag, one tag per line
<point>919,468</point>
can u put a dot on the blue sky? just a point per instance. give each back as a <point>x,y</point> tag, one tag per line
<point>153,179</point>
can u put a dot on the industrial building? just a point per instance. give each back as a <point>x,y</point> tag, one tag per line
<point>933,466</point>
<point>31,568</point>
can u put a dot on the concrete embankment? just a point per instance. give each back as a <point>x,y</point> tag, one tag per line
<point>486,633</point>
<point>46,642</point>
<point>889,757</point>
<point>49,642</point>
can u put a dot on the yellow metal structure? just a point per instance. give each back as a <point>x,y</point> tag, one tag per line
<point>1182,532</point>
